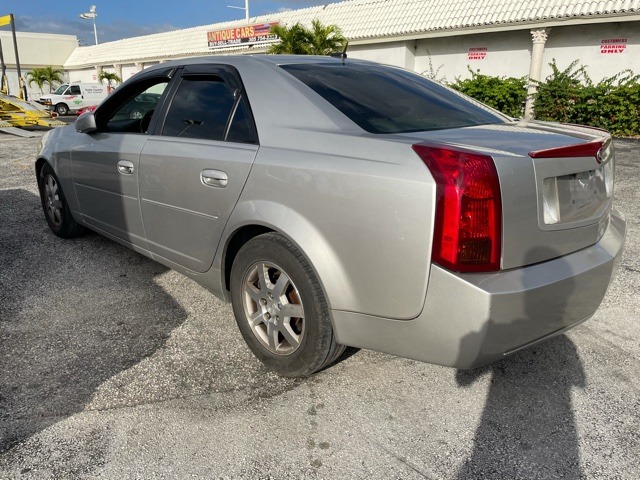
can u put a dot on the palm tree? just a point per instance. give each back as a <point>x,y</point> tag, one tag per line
<point>325,40</point>
<point>294,40</point>
<point>52,75</point>
<point>43,75</point>
<point>36,75</point>
<point>299,40</point>
<point>109,77</point>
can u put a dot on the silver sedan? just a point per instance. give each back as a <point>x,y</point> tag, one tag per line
<point>338,202</point>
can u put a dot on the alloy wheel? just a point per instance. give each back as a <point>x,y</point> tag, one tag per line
<point>273,308</point>
<point>53,204</point>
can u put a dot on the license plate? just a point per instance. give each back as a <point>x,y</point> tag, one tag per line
<point>574,197</point>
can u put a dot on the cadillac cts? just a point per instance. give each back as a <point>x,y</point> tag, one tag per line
<point>338,202</point>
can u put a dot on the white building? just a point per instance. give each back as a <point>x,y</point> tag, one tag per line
<point>446,37</point>
<point>35,50</point>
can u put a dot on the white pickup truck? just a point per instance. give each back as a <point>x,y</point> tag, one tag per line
<point>69,97</point>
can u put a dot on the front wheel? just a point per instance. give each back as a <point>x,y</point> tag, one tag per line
<point>280,308</point>
<point>62,109</point>
<point>55,206</point>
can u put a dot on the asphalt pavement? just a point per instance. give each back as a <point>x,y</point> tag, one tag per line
<point>113,366</point>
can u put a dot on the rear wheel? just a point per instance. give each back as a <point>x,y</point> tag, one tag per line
<point>280,307</point>
<point>55,206</point>
<point>62,109</point>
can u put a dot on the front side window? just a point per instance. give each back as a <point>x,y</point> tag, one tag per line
<point>134,115</point>
<point>60,90</point>
<point>383,99</point>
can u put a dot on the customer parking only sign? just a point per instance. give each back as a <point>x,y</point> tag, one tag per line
<point>610,46</point>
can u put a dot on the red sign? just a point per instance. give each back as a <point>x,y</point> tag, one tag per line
<point>247,35</point>
<point>477,53</point>
<point>613,45</point>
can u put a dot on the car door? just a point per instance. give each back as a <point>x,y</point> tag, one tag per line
<point>105,163</point>
<point>74,97</point>
<point>193,170</point>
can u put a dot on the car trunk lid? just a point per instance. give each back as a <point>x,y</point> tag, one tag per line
<point>556,184</point>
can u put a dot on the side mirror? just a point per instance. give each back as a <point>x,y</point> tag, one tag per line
<point>86,123</point>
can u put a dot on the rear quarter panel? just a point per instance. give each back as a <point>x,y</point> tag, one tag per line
<point>360,209</point>
<point>359,206</point>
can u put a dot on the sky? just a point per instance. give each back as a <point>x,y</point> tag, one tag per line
<point>131,18</point>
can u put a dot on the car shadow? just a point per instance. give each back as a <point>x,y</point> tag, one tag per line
<point>72,315</point>
<point>527,428</point>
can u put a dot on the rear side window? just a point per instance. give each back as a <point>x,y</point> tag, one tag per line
<point>383,99</point>
<point>207,107</point>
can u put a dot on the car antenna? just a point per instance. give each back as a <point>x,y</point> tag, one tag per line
<point>341,55</point>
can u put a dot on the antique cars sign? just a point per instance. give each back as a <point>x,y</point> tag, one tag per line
<point>245,35</point>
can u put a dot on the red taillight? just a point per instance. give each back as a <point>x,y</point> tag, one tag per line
<point>468,227</point>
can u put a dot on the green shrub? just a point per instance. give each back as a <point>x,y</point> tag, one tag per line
<point>567,96</point>
<point>506,94</point>
<point>570,96</point>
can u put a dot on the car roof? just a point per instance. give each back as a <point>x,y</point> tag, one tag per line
<point>262,58</point>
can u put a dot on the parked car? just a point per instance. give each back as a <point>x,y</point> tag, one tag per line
<point>90,108</point>
<point>138,107</point>
<point>69,97</point>
<point>341,202</point>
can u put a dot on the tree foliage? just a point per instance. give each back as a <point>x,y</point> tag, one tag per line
<point>293,40</point>
<point>506,94</point>
<point>109,77</point>
<point>298,40</point>
<point>567,95</point>
<point>433,73</point>
<point>36,76</point>
<point>570,96</point>
<point>325,39</point>
<point>44,75</point>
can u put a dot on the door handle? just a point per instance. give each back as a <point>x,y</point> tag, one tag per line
<point>213,178</point>
<point>125,167</point>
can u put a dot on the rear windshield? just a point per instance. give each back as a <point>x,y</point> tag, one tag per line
<point>382,99</point>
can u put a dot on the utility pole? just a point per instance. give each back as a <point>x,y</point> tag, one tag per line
<point>4,84</point>
<point>91,15</point>
<point>245,8</point>
<point>10,20</point>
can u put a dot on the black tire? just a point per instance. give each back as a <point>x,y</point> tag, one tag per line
<point>55,206</point>
<point>62,109</point>
<point>300,346</point>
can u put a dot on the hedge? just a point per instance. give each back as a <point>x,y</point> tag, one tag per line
<point>568,96</point>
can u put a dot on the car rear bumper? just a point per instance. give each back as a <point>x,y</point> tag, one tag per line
<point>470,320</point>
